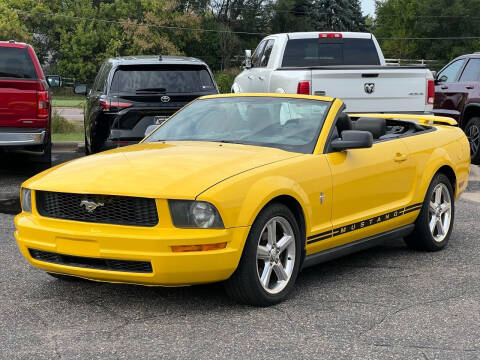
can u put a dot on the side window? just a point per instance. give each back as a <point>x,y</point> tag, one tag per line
<point>267,52</point>
<point>102,77</point>
<point>97,78</point>
<point>449,74</point>
<point>471,71</point>
<point>258,52</point>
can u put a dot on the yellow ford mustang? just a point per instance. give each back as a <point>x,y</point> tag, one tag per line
<point>249,189</point>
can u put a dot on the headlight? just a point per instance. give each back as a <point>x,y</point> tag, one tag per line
<point>195,214</point>
<point>26,200</point>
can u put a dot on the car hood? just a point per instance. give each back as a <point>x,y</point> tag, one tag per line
<point>179,170</point>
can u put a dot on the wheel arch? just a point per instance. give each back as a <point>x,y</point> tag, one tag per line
<point>471,111</point>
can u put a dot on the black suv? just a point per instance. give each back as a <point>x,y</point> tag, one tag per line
<point>131,93</point>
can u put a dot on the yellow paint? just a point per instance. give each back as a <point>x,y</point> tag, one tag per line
<point>239,180</point>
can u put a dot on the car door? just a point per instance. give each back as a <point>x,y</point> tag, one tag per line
<point>449,93</point>
<point>248,80</point>
<point>370,189</point>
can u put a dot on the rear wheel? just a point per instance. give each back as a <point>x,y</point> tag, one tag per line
<point>270,261</point>
<point>472,130</point>
<point>434,224</point>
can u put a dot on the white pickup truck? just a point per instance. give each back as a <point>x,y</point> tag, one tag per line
<point>347,65</point>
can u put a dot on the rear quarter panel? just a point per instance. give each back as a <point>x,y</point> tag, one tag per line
<point>445,146</point>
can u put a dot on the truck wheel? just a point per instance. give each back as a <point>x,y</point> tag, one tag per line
<point>473,133</point>
<point>270,261</point>
<point>434,224</point>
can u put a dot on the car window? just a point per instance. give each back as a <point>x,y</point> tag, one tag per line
<point>286,123</point>
<point>103,78</point>
<point>16,63</point>
<point>258,52</point>
<point>97,78</point>
<point>162,78</point>
<point>318,52</point>
<point>449,74</point>
<point>266,53</point>
<point>471,71</point>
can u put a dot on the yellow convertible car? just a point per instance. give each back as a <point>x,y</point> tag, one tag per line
<point>246,189</point>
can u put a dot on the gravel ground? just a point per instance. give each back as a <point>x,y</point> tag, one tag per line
<point>386,302</point>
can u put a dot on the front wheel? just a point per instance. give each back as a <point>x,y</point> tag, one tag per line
<point>434,224</point>
<point>270,261</point>
<point>472,130</point>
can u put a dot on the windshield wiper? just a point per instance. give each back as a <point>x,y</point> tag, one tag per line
<point>157,90</point>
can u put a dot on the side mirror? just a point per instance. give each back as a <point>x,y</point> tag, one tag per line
<point>440,80</point>
<point>248,59</point>
<point>54,80</point>
<point>80,89</point>
<point>353,139</point>
<point>149,129</point>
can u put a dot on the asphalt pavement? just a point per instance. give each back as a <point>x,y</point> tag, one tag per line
<point>386,302</point>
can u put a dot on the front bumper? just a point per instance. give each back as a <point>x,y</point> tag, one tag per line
<point>101,241</point>
<point>20,137</point>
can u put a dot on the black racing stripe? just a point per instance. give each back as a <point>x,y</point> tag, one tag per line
<point>321,234</point>
<point>364,223</point>
<point>414,205</point>
<point>413,209</point>
<point>320,238</point>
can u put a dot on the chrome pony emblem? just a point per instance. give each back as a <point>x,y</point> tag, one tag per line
<point>369,87</point>
<point>165,98</point>
<point>90,206</point>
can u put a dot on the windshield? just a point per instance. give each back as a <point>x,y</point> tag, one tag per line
<point>135,79</point>
<point>286,123</point>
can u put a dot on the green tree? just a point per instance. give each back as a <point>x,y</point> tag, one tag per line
<point>11,27</point>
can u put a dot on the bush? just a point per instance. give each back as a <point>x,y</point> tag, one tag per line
<point>225,79</point>
<point>60,125</point>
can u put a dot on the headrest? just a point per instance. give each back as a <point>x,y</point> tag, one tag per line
<point>343,123</point>
<point>377,126</point>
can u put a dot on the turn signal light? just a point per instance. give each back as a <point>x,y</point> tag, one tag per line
<point>204,247</point>
<point>43,104</point>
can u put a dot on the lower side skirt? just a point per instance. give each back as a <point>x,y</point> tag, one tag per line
<point>359,245</point>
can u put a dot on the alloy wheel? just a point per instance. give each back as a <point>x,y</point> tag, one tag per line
<point>473,135</point>
<point>440,211</point>
<point>275,255</point>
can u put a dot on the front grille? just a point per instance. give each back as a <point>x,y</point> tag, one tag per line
<point>117,210</point>
<point>92,263</point>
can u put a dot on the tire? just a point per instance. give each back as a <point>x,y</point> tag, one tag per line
<point>441,214</point>
<point>66,277</point>
<point>265,258</point>
<point>472,130</point>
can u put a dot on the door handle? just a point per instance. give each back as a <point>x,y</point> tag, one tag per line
<point>469,87</point>
<point>261,77</point>
<point>251,77</point>
<point>399,157</point>
<point>444,87</point>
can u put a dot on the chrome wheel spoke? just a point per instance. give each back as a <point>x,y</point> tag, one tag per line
<point>266,274</point>
<point>439,227</point>
<point>263,252</point>
<point>432,207</point>
<point>272,232</point>
<point>433,221</point>
<point>438,195</point>
<point>284,242</point>
<point>280,272</point>
<point>445,207</point>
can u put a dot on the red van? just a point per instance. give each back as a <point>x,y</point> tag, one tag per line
<point>25,110</point>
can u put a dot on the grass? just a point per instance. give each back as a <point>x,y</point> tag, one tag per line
<point>76,136</point>
<point>68,101</point>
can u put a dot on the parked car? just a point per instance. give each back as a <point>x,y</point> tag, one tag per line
<point>347,65</point>
<point>131,93</point>
<point>246,188</point>
<point>25,111</point>
<point>457,94</point>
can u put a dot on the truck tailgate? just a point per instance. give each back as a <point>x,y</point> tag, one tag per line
<point>381,89</point>
<point>18,102</point>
